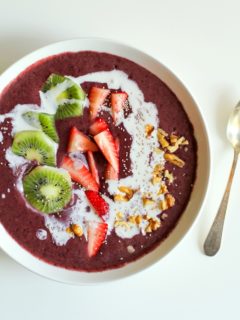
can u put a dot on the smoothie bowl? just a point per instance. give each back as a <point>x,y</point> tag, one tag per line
<point>104,161</point>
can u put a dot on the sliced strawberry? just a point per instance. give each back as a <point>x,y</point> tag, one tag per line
<point>78,141</point>
<point>96,98</point>
<point>93,166</point>
<point>79,173</point>
<point>98,126</point>
<point>96,235</point>
<point>118,100</point>
<point>98,203</point>
<point>110,173</point>
<point>107,145</point>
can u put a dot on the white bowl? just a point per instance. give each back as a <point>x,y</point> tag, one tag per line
<point>13,249</point>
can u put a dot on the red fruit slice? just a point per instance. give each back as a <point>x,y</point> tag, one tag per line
<point>96,99</point>
<point>107,145</point>
<point>93,166</point>
<point>98,203</point>
<point>118,100</point>
<point>98,126</point>
<point>79,173</point>
<point>110,173</point>
<point>78,141</point>
<point>96,235</point>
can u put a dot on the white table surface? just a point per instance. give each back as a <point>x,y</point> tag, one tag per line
<point>199,42</point>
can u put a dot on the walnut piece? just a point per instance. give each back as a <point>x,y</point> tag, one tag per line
<point>168,176</point>
<point>161,138</point>
<point>172,158</point>
<point>148,130</point>
<point>77,230</point>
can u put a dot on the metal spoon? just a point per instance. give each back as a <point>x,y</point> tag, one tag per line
<point>213,240</point>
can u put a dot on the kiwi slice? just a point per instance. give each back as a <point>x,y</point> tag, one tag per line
<point>52,81</point>
<point>34,145</point>
<point>47,189</point>
<point>70,98</point>
<point>68,110</point>
<point>43,121</point>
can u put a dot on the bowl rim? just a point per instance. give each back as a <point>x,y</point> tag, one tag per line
<point>18,253</point>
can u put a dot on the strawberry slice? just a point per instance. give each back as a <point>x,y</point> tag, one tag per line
<point>110,173</point>
<point>93,166</point>
<point>96,235</point>
<point>118,100</point>
<point>98,203</point>
<point>107,145</point>
<point>78,141</point>
<point>79,173</point>
<point>96,98</point>
<point>98,126</point>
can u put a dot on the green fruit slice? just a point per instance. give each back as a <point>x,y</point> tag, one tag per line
<point>52,81</point>
<point>47,189</point>
<point>70,98</point>
<point>34,145</point>
<point>43,121</point>
<point>68,110</point>
<point>48,126</point>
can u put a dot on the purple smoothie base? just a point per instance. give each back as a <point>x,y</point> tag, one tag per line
<point>22,223</point>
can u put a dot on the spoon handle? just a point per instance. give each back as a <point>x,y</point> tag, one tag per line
<point>213,240</point>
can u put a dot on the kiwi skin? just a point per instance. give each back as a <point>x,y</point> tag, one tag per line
<point>34,145</point>
<point>47,189</point>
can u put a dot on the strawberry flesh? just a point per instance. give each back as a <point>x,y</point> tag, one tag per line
<point>96,98</point>
<point>78,141</point>
<point>106,144</point>
<point>110,173</point>
<point>79,173</point>
<point>93,166</point>
<point>98,126</point>
<point>118,100</point>
<point>100,206</point>
<point>96,235</point>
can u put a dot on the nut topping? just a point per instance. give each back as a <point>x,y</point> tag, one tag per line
<point>148,130</point>
<point>172,158</point>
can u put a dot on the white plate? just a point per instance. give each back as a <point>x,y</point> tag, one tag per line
<point>13,249</point>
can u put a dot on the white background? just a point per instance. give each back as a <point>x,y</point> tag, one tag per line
<point>199,42</point>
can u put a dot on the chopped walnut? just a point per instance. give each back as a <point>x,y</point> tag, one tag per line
<point>155,180</point>
<point>153,225</point>
<point>163,189</point>
<point>136,219</point>
<point>163,205</point>
<point>128,191</point>
<point>122,224</point>
<point>119,216</point>
<point>170,200</point>
<point>168,176</point>
<point>120,198</point>
<point>158,150</point>
<point>173,138</point>
<point>161,138</point>
<point>162,132</point>
<point>69,230</point>
<point>77,230</point>
<point>147,202</point>
<point>175,146</point>
<point>148,130</point>
<point>172,158</point>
